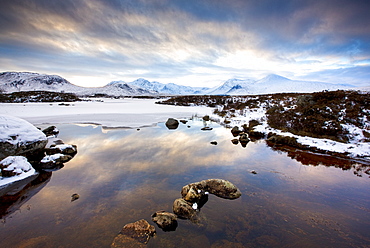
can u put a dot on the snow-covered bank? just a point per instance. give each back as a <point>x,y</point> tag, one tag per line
<point>355,148</point>
<point>129,113</point>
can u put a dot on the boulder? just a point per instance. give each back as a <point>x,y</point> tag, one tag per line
<point>172,123</point>
<point>135,234</point>
<point>19,137</point>
<point>223,188</point>
<point>14,166</point>
<point>214,143</point>
<point>192,193</point>
<point>219,187</point>
<point>165,220</point>
<point>206,128</point>
<point>235,141</point>
<point>184,209</point>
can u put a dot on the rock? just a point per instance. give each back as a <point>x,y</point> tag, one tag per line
<point>206,129</point>
<point>243,139</point>
<point>19,137</point>
<point>62,148</point>
<point>253,172</point>
<point>53,161</point>
<point>183,121</point>
<point>206,118</point>
<point>222,188</point>
<point>191,193</point>
<point>135,234</point>
<point>235,131</point>
<point>213,143</point>
<point>74,197</point>
<point>183,209</point>
<point>14,165</point>
<point>219,187</point>
<point>235,141</point>
<point>165,220</point>
<point>172,123</point>
<point>256,135</point>
<point>51,131</point>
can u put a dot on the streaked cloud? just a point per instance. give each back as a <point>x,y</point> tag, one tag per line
<point>186,42</point>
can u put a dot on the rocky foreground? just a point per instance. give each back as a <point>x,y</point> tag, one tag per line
<point>25,150</point>
<point>194,197</point>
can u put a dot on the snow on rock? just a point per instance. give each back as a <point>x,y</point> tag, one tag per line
<point>15,168</point>
<point>18,136</point>
<point>52,158</point>
<point>54,161</point>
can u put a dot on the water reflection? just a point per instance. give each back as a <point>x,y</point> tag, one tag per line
<point>126,175</point>
<point>359,167</point>
<point>21,192</point>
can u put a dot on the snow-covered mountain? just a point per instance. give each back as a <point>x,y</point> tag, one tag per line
<point>233,85</point>
<point>27,81</point>
<point>166,89</point>
<point>275,84</point>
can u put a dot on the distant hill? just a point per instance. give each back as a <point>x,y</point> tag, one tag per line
<point>27,81</point>
<point>274,84</point>
<point>165,89</point>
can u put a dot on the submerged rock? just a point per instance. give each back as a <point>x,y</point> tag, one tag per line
<point>172,123</point>
<point>165,220</point>
<point>135,234</point>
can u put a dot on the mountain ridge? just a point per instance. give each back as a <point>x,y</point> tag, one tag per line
<point>29,81</point>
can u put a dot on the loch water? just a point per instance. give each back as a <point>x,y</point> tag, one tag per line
<point>124,175</point>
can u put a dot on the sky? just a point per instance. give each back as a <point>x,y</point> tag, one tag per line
<point>190,42</point>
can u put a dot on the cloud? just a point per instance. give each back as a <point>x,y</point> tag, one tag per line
<point>175,40</point>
